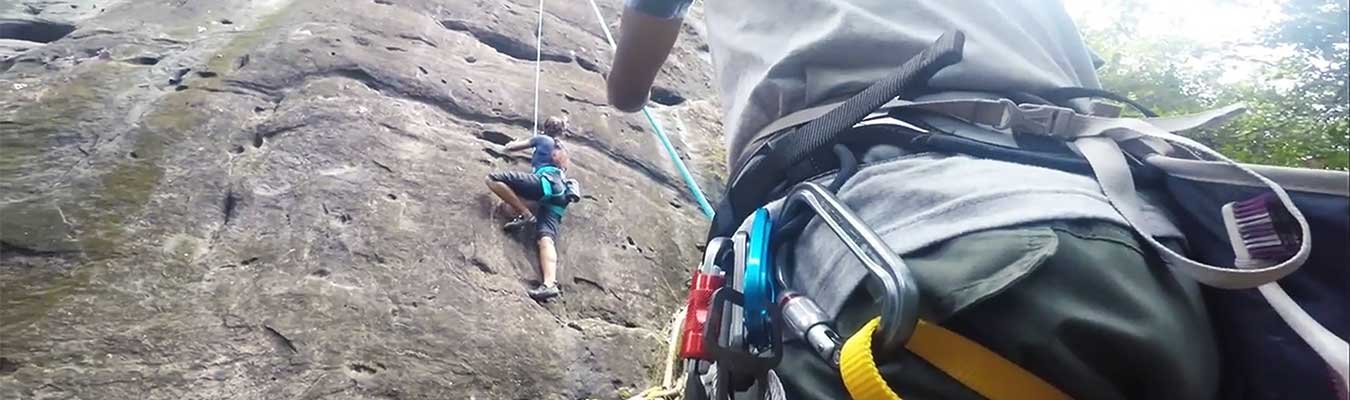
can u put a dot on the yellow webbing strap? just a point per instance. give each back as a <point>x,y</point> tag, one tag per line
<point>979,369</point>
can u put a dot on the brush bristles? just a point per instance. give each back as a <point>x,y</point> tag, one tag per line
<point>1264,228</point>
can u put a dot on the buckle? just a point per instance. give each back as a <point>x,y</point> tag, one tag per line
<point>1036,119</point>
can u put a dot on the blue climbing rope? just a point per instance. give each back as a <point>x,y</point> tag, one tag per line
<point>679,165</point>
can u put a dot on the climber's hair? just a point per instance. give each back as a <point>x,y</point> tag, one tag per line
<point>554,126</point>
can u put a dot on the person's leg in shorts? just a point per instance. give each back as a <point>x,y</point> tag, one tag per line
<point>515,188</point>
<point>547,223</point>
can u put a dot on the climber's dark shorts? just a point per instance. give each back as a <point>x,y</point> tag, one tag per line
<point>547,224</point>
<point>531,188</point>
<point>526,185</point>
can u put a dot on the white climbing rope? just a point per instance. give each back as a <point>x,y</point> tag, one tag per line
<point>538,56</point>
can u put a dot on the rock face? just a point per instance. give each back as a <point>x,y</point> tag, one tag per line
<point>268,199</point>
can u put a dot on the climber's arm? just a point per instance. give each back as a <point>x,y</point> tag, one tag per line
<point>520,144</point>
<point>647,31</point>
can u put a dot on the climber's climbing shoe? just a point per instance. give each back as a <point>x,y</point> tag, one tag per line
<point>518,222</point>
<point>545,292</point>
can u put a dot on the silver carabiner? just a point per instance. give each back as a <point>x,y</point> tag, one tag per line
<point>712,253</point>
<point>736,322</point>
<point>900,299</point>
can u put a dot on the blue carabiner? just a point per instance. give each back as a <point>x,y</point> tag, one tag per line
<point>759,285</point>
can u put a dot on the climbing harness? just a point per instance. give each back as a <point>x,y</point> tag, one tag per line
<point>744,357</point>
<point>898,326</point>
<point>742,338</point>
<point>550,177</point>
<point>794,156</point>
<point>1119,153</point>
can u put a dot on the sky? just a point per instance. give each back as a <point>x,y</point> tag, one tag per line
<point>1226,24</point>
<point>1208,21</point>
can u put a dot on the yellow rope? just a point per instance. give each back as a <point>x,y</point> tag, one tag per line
<point>975,366</point>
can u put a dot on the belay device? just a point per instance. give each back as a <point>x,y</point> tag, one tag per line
<point>737,322</point>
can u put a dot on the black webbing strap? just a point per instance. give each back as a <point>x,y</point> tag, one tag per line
<point>796,155</point>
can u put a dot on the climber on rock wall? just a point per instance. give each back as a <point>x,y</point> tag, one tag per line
<point>547,187</point>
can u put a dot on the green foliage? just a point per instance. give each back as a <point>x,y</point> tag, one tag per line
<point>1298,107</point>
<point>1279,131</point>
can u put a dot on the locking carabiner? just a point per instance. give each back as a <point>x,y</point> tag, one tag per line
<point>741,332</point>
<point>900,293</point>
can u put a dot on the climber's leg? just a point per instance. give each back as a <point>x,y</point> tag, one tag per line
<point>548,261</point>
<point>547,223</point>
<point>511,186</point>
